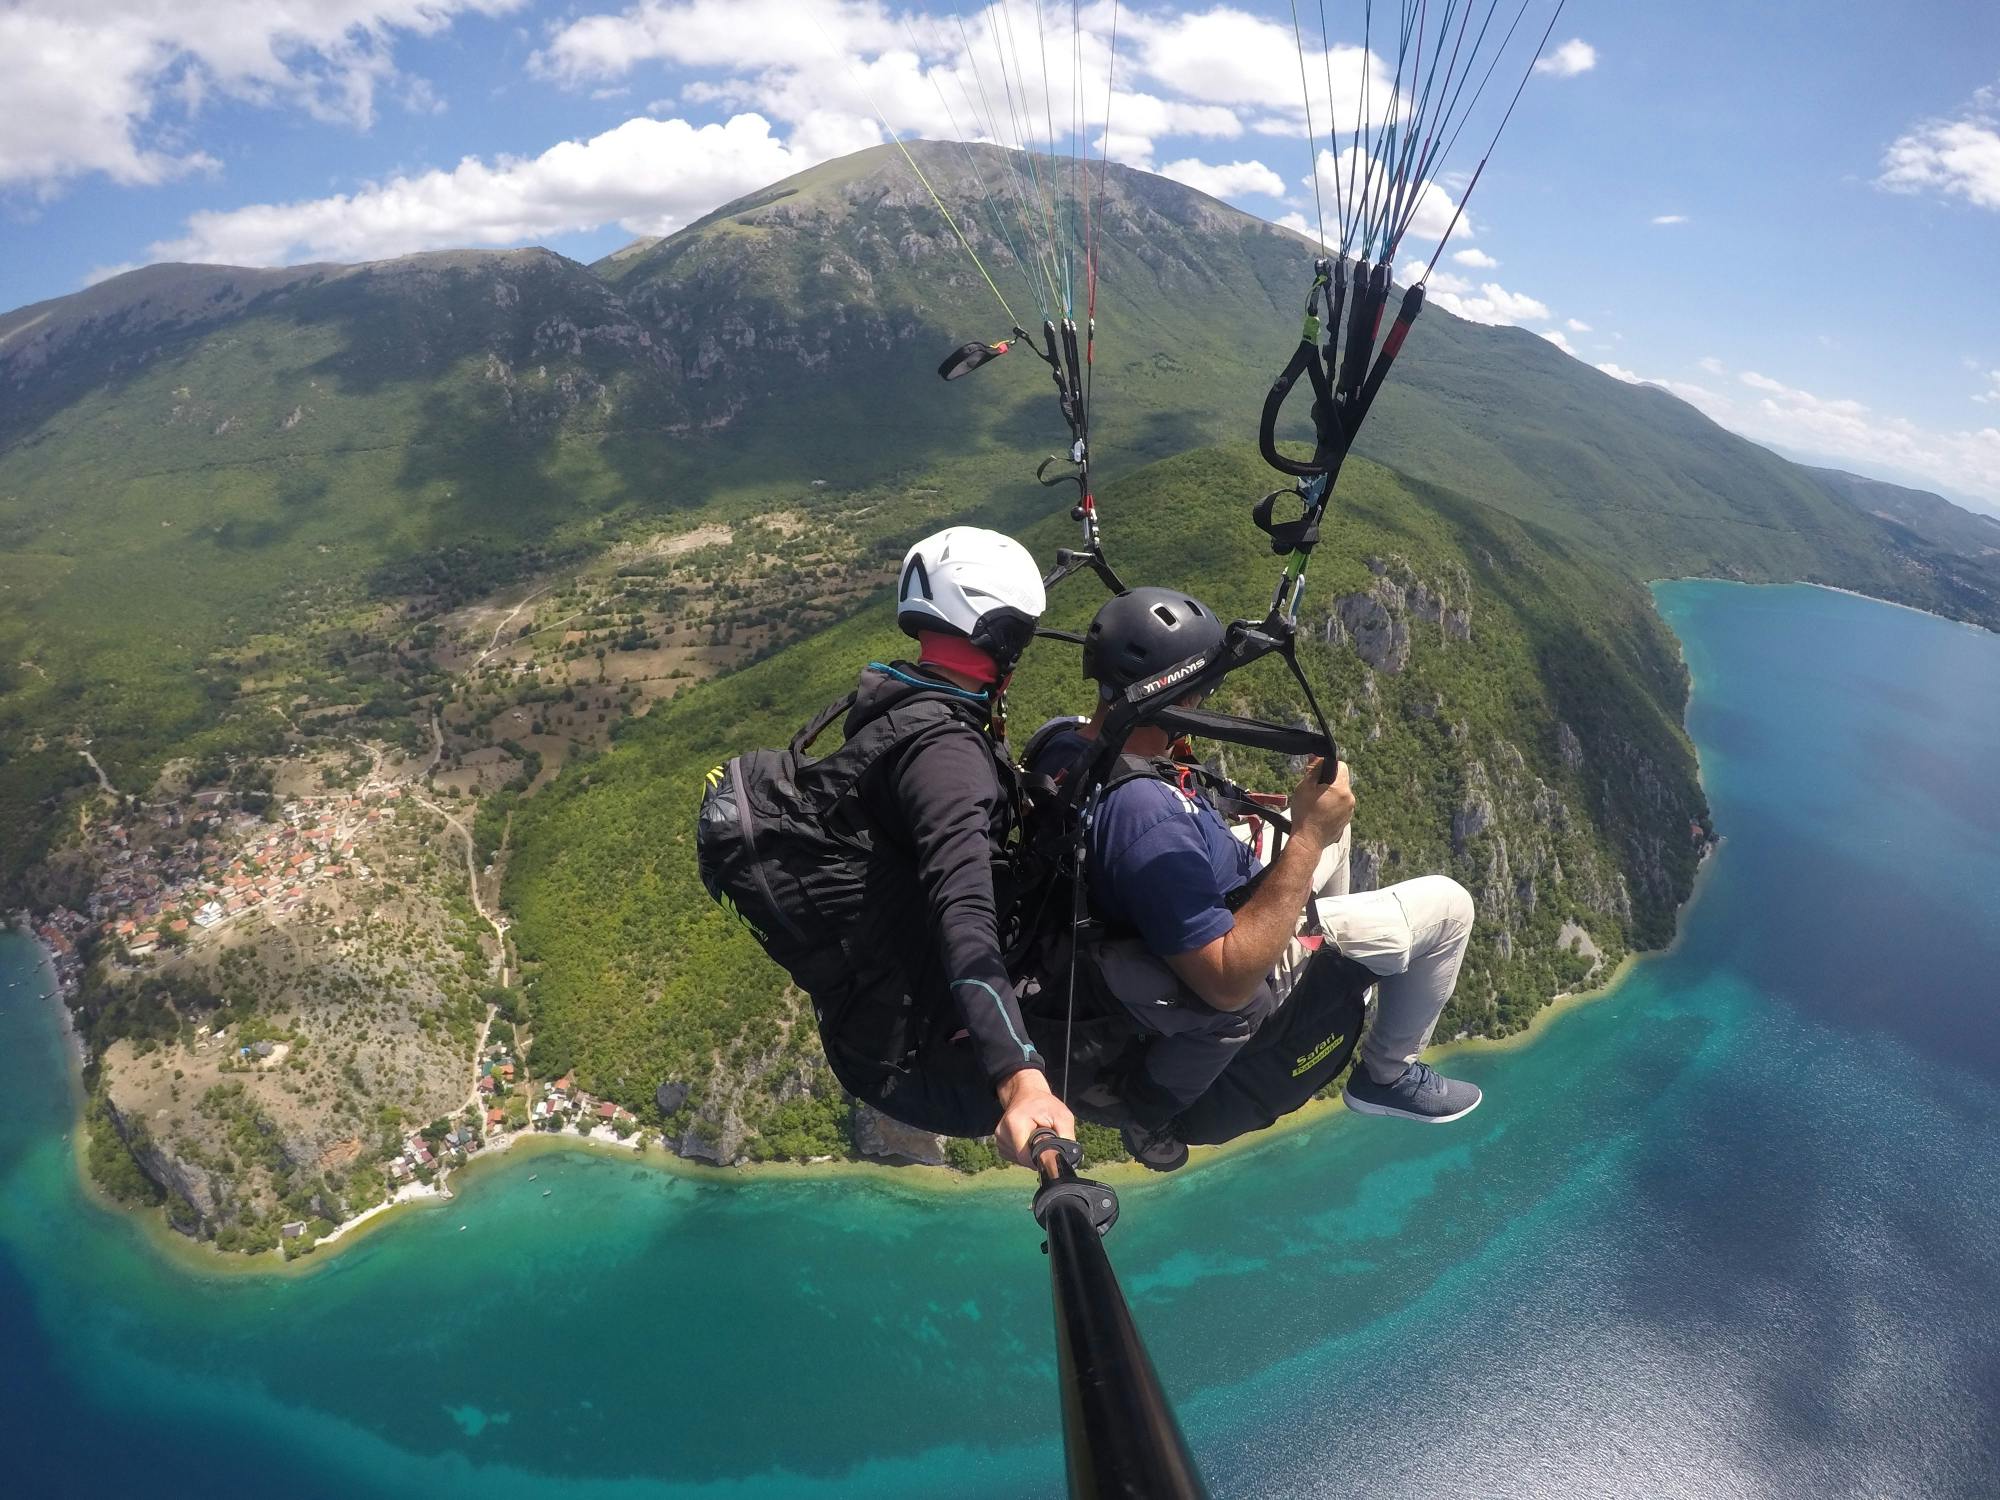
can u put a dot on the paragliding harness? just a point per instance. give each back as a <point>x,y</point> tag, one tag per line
<point>783,843</point>
<point>1068,961</point>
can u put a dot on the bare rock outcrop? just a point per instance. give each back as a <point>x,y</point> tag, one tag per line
<point>880,1138</point>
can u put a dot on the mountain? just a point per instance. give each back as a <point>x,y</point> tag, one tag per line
<point>1960,548</point>
<point>195,458</point>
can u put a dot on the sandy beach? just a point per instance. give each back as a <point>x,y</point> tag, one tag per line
<point>906,1178</point>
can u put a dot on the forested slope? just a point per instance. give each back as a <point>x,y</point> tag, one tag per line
<point>202,464</point>
<point>1519,726</point>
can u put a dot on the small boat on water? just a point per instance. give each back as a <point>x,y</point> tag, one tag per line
<point>533,1175</point>
<point>461,1229</point>
<point>547,1191</point>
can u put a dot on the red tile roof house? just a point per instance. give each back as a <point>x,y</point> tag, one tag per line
<point>607,1111</point>
<point>494,1117</point>
<point>486,1084</point>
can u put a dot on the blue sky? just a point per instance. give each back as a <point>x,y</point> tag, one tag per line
<point>1788,213</point>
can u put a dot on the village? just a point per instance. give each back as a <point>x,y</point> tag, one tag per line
<point>559,1106</point>
<point>155,889</point>
<point>423,1167</point>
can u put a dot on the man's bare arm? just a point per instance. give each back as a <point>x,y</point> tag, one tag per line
<point>1227,970</point>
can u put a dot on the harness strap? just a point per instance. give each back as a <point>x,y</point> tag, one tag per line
<point>803,740</point>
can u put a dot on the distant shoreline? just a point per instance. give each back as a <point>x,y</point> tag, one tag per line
<point>907,1178</point>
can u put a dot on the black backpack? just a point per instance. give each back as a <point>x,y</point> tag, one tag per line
<point>783,842</point>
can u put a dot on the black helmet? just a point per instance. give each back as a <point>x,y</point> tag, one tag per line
<point>1144,631</point>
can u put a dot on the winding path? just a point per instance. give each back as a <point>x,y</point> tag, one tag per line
<point>491,919</point>
<point>102,780</point>
<point>494,644</point>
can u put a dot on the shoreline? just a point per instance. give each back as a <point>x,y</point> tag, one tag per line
<point>914,1179</point>
<point>908,1178</point>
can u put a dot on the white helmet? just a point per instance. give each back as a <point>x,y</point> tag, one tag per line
<point>970,582</point>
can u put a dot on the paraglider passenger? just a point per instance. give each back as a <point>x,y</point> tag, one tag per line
<point>1164,864</point>
<point>940,799</point>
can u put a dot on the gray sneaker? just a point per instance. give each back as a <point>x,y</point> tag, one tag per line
<point>1160,1150</point>
<point>1422,1093</point>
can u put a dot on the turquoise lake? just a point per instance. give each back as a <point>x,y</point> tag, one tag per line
<point>1732,1231</point>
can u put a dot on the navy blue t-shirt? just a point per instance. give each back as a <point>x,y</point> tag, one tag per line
<point>1161,861</point>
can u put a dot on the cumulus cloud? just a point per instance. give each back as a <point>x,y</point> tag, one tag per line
<point>651,176</point>
<point>1845,430</point>
<point>741,35</point>
<point>1670,218</point>
<point>106,86</point>
<point>1227,56</point>
<point>1992,391</point>
<point>1571,58</point>
<point>1953,158</point>
<point>1430,209</point>
<point>1489,302</point>
<point>1560,339</point>
<point>1576,325</point>
<point>1225,179</point>
<point>830,79</point>
<point>1476,258</point>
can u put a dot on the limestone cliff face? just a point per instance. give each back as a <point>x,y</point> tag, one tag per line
<point>1575,842</point>
<point>880,1138</point>
<point>198,1201</point>
<point>748,1089</point>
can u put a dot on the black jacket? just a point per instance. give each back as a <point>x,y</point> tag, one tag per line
<point>944,800</point>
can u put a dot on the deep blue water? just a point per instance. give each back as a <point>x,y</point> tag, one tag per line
<point>1734,1230</point>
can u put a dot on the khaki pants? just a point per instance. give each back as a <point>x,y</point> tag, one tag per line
<point>1412,936</point>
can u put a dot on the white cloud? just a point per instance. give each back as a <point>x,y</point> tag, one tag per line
<point>830,78</point>
<point>1670,218</point>
<point>1713,365</point>
<point>1845,430</point>
<point>740,35</point>
<point>1225,179</point>
<point>1953,158</point>
<point>1488,303</point>
<point>89,84</point>
<point>1430,209</point>
<point>1576,325</point>
<point>1297,221</point>
<point>1571,58</point>
<point>1992,391</point>
<point>650,176</point>
<point>1560,339</point>
<point>1477,259</point>
<point>1226,56</point>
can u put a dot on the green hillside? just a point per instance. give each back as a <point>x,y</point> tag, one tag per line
<point>206,472</point>
<point>1536,754</point>
<point>1959,549</point>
